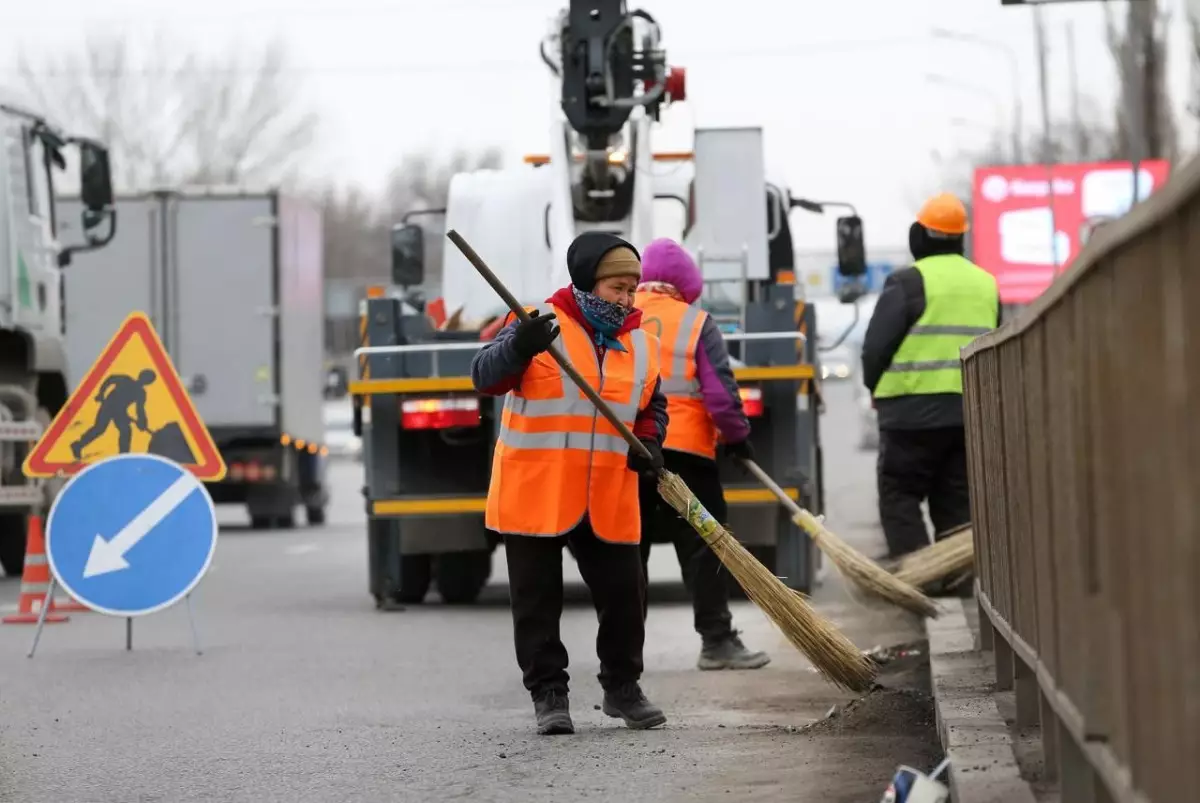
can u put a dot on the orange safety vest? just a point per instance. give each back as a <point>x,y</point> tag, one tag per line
<point>677,325</point>
<point>557,459</point>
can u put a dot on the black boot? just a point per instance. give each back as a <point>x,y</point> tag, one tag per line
<point>628,703</point>
<point>553,713</point>
<point>730,653</point>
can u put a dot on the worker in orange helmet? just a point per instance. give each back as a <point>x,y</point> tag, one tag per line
<point>911,365</point>
<point>563,476</point>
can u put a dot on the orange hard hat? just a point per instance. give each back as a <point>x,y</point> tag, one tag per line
<point>944,214</point>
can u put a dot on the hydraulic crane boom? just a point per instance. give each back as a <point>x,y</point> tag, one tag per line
<point>609,64</point>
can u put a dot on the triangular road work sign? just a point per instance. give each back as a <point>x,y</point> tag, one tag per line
<point>130,401</point>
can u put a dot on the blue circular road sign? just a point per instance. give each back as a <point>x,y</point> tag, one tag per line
<point>131,535</point>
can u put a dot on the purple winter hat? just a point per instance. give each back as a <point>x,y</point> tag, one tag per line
<point>664,260</point>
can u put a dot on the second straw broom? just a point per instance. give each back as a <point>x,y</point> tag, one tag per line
<point>859,570</point>
<point>833,655</point>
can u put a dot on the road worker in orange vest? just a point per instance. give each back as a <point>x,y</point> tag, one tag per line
<point>562,475</point>
<point>703,403</point>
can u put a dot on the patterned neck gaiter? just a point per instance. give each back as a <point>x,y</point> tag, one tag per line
<point>605,317</point>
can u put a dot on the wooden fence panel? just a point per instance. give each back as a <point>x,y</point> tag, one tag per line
<point>1083,434</point>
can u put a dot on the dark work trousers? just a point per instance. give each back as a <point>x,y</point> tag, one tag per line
<point>703,573</point>
<point>613,574</point>
<point>916,465</point>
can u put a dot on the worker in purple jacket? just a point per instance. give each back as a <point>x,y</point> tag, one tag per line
<point>703,406</point>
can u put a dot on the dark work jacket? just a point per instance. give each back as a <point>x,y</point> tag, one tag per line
<point>899,307</point>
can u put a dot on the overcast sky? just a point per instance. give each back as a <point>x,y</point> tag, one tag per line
<point>841,89</point>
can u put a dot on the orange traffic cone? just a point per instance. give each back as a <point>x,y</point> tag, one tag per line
<point>72,605</point>
<point>35,580</point>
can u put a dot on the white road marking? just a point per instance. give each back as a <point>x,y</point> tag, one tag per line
<point>301,549</point>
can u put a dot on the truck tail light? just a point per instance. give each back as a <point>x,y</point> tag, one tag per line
<point>252,471</point>
<point>439,413</point>
<point>752,401</point>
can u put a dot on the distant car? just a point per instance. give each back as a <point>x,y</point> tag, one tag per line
<point>339,430</point>
<point>336,383</point>
<point>837,364</point>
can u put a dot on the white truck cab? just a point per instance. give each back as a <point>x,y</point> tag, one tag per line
<point>33,385</point>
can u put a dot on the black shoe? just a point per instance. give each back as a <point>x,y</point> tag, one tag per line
<point>730,653</point>
<point>553,713</point>
<point>628,703</point>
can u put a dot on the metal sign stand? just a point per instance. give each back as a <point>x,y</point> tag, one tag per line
<point>37,633</point>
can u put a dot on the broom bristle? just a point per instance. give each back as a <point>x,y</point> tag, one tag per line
<point>833,655</point>
<point>863,572</point>
<point>939,560</point>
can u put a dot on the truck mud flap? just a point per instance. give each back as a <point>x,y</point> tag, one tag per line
<point>170,443</point>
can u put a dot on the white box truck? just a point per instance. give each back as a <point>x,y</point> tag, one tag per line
<point>234,284</point>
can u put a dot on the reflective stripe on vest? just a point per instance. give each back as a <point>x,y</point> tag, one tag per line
<point>677,326</point>
<point>557,459</point>
<point>961,303</point>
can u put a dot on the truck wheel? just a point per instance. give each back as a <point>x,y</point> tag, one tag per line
<point>462,575</point>
<point>315,516</point>
<point>12,544</point>
<point>286,521</point>
<point>260,522</point>
<point>416,573</point>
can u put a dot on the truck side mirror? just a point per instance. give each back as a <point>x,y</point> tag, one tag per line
<point>851,251</point>
<point>408,254</point>
<point>95,182</point>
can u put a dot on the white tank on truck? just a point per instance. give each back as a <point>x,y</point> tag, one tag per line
<point>33,356</point>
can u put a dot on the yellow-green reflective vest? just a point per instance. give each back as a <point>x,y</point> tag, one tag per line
<point>961,303</point>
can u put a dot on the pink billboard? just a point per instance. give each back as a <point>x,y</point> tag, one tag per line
<point>1025,237</point>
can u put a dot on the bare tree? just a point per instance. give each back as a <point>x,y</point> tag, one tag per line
<point>357,226</point>
<point>422,181</point>
<point>1139,50</point>
<point>172,116</point>
<point>1088,139</point>
<point>356,244</point>
<point>1194,27</point>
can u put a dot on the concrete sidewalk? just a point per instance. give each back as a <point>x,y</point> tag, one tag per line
<point>990,761</point>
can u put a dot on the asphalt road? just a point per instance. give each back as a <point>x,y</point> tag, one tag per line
<point>305,693</point>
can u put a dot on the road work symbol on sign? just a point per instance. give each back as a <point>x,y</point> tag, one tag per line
<point>131,535</point>
<point>131,401</point>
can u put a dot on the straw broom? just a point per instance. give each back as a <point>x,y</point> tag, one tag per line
<point>856,568</point>
<point>833,655</point>
<point>953,554</point>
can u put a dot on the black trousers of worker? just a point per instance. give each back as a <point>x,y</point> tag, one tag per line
<point>917,465</point>
<point>613,574</point>
<point>703,573</point>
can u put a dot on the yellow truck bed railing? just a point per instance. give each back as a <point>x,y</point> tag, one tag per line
<point>436,383</point>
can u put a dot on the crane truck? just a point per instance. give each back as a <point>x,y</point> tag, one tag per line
<point>33,358</point>
<point>428,437</point>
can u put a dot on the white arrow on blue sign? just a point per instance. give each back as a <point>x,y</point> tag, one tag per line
<point>131,535</point>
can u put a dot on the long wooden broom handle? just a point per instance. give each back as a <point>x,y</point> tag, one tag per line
<point>805,519</point>
<point>558,356</point>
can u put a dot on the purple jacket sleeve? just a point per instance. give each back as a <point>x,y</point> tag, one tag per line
<point>496,369</point>
<point>717,385</point>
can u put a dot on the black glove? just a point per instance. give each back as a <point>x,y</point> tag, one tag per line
<point>648,468</point>
<point>535,335</point>
<point>741,450</point>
